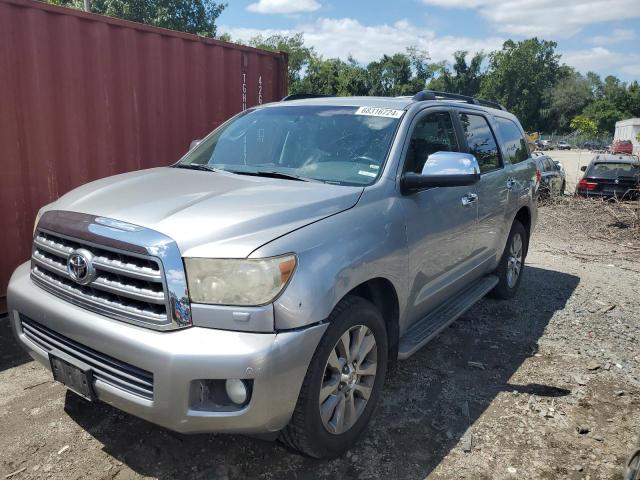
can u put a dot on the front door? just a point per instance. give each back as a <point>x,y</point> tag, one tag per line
<point>440,226</point>
<point>493,187</point>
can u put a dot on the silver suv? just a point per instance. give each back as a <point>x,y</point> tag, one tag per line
<point>265,282</point>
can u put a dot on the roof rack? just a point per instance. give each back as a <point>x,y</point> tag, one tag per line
<point>435,95</point>
<point>302,96</point>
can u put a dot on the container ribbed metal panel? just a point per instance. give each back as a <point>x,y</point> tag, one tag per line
<point>84,96</point>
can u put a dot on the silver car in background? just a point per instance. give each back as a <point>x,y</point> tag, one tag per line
<point>265,282</point>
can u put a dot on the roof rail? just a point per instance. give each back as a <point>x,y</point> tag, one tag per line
<point>301,96</point>
<point>435,95</point>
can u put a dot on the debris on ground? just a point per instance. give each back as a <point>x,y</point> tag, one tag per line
<point>441,415</point>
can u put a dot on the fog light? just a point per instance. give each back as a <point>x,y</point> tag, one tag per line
<point>236,390</point>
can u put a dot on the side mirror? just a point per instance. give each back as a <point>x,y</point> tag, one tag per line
<point>194,144</point>
<point>443,169</point>
<point>583,168</point>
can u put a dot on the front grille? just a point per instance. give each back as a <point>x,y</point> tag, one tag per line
<point>107,369</point>
<point>126,286</point>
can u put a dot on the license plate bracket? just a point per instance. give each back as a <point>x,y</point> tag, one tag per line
<point>73,374</point>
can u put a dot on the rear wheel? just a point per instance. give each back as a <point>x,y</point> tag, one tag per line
<point>511,265</point>
<point>343,382</point>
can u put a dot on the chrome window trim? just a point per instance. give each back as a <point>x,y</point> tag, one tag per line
<point>133,240</point>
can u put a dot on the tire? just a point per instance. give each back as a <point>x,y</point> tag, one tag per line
<point>562,188</point>
<point>633,467</point>
<point>508,286</point>
<point>306,431</point>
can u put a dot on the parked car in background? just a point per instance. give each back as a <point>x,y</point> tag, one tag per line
<point>593,145</point>
<point>610,175</point>
<point>622,146</point>
<point>264,283</point>
<point>552,175</point>
<point>562,145</point>
<point>543,144</point>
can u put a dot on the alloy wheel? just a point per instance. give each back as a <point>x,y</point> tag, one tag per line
<point>348,379</point>
<point>514,262</point>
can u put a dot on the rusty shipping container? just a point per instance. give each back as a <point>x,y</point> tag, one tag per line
<point>84,96</point>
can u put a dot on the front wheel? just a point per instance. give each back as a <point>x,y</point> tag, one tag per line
<point>343,382</point>
<point>511,265</point>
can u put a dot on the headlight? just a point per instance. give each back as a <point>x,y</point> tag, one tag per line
<point>246,282</point>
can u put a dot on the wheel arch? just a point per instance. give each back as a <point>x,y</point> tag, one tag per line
<point>524,217</point>
<point>382,293</point>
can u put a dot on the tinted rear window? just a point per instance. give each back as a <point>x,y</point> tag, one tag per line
<point>482,143</point>
<point>515,146</point>
<point>614,170</point>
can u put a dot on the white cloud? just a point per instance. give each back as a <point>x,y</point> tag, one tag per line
<point>284,6</point>
<point>337,38</point>
<point>544,18</point>
<point>616,36</point>
<point>600,59</point>
<point>340,37</point>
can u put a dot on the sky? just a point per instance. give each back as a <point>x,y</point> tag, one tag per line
<point>592,35</point>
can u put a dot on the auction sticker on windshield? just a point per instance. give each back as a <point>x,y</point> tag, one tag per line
<point>380,112</point>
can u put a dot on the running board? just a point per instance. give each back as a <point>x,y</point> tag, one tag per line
<point>421,332</point>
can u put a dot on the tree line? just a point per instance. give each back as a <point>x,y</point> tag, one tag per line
<point>527,76</point>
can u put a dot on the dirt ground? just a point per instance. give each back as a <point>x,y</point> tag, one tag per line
<point>544,386</point>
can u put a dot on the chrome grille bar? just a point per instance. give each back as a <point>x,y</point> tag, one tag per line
<point>92,299</point>
<point>104,263</point>
<point>134,285</point>
<point>113,268</point>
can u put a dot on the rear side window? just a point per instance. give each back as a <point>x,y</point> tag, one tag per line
<point>433,133</point>
<point>549,166</point>
<point>482,143</point>
<point>515,146</point>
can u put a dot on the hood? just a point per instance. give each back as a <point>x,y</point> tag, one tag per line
<point>210,214</point>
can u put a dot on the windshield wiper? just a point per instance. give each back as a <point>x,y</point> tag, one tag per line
<point>273,174</point>
<point>196,166</point>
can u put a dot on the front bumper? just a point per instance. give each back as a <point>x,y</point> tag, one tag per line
<point>277,362</point>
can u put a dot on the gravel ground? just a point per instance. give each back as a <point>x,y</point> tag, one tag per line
<point>544,386</point>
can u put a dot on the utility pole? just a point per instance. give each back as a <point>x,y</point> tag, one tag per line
<point>87,5</point>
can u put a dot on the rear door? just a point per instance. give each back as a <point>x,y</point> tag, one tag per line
<point>492,189</point>
<point>551,170</point>
<point>520,166</point>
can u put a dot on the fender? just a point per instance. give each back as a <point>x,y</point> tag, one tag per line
<point>339,253</point>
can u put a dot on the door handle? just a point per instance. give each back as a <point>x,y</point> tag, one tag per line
<point>469,198</point>
<point>511,182</point>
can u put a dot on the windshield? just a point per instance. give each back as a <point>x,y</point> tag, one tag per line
<point>332,144</point>
<point>614,170</point>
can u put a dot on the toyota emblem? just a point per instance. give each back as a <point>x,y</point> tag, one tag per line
<point>80,266</point>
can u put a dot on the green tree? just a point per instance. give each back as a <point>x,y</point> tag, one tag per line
<point>300,56</point>
<point>613,100</point>
<point>519,75</point>
<point>400,74</point>
<point>584,126</point>
<point>571,94</point>
<point>390,75</point>
<point>192,16</point>
<point>605,114</point>
<point>465,78</point>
